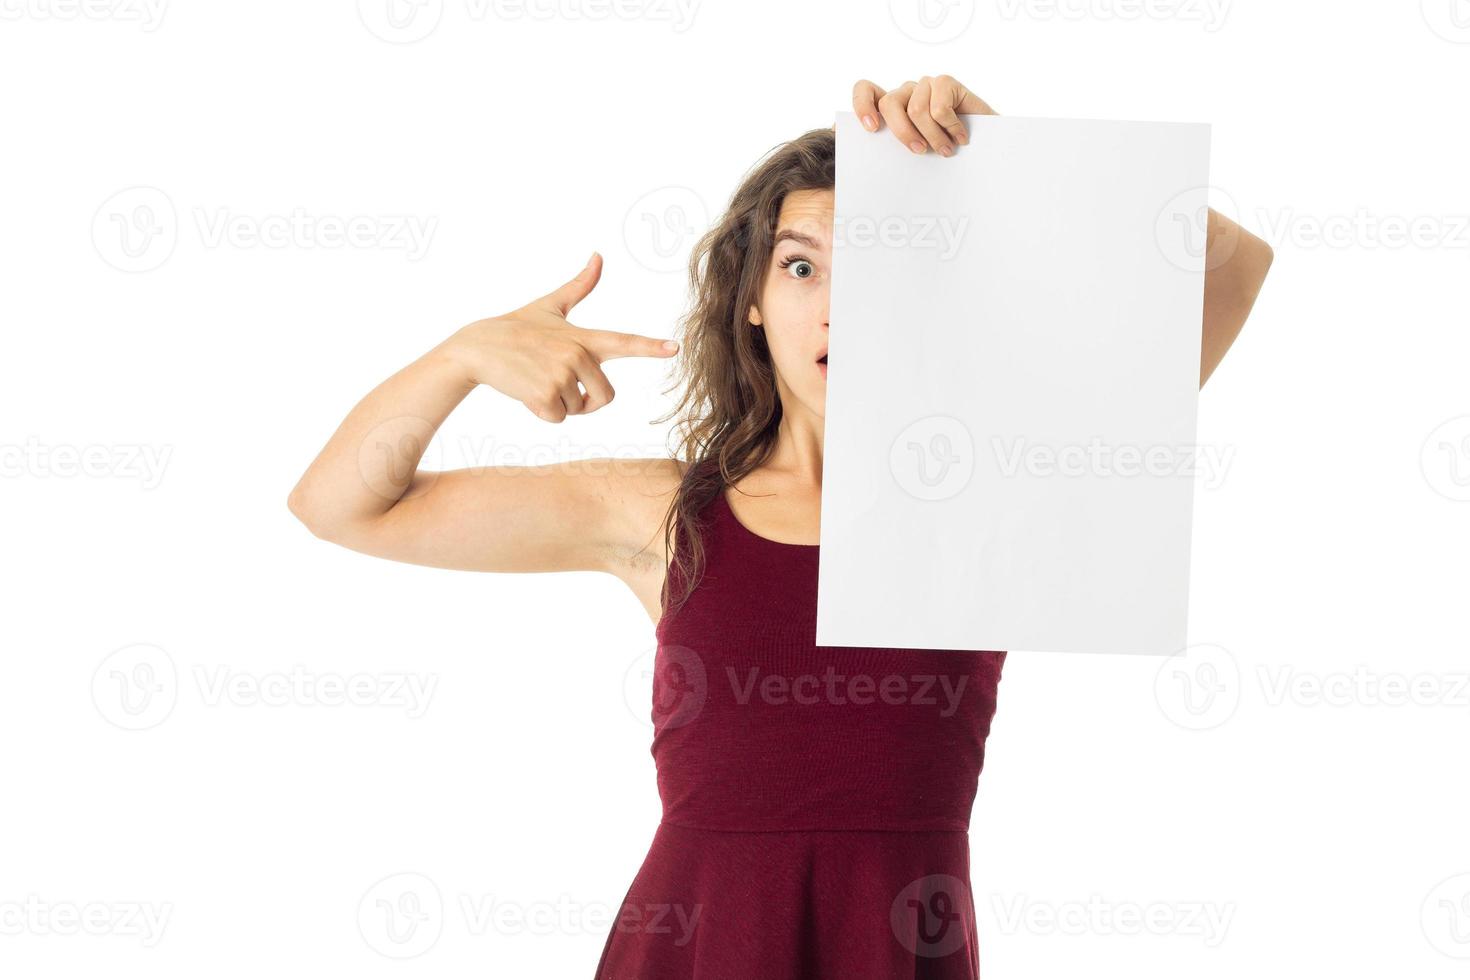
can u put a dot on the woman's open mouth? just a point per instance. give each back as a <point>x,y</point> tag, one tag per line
<point>822,363</point>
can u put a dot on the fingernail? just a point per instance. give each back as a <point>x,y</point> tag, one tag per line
<point>589,259</point>
<point>869,123</point>
<point>671,345</point>
<point>946,151</point>
<point>964,138</point>
<point>917,146</point>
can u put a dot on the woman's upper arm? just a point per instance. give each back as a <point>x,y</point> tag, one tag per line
<point>584,515</point>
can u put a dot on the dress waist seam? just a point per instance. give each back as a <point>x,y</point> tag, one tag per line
<point>815,830</point>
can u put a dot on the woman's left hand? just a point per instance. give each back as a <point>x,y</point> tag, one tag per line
<point>921,114</point>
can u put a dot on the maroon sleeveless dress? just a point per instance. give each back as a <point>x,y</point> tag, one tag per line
<point>816,800</point>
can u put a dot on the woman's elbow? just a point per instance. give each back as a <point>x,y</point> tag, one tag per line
<point>310,511</point>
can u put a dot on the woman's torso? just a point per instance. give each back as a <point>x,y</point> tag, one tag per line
<point>758,728</point>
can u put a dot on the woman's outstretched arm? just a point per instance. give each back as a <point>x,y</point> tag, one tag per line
<point>365,490</point>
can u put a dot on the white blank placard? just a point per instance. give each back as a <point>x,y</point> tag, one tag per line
<point>1012,389</point>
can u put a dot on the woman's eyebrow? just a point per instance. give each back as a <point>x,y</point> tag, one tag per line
<point>788,234</point>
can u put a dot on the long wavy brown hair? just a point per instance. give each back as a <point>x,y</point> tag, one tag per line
<point>729,411</point>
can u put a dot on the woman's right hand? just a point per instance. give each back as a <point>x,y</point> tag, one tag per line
<point>538,358</point>
<point>366,490</point>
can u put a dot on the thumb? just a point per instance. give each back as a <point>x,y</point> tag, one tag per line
<point>576,290</point>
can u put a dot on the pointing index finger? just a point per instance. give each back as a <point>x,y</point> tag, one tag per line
<point>605,345</point>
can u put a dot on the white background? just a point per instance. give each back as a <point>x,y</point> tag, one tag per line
<point>1326,830</point>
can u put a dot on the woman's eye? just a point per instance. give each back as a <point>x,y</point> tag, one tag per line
<point>804,269</point>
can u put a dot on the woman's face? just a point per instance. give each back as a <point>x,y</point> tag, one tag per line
<point>793,301</point>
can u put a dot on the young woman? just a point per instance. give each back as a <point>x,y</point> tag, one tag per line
<point>816,800</point>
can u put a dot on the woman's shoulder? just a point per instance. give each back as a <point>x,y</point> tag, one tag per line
<point>656,475</point>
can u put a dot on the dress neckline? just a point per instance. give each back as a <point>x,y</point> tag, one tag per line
<point>725,501</point>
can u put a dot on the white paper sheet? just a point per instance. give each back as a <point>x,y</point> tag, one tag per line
<point>1012,389</point>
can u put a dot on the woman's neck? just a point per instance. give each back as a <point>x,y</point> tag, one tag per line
<point>798,450</point>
